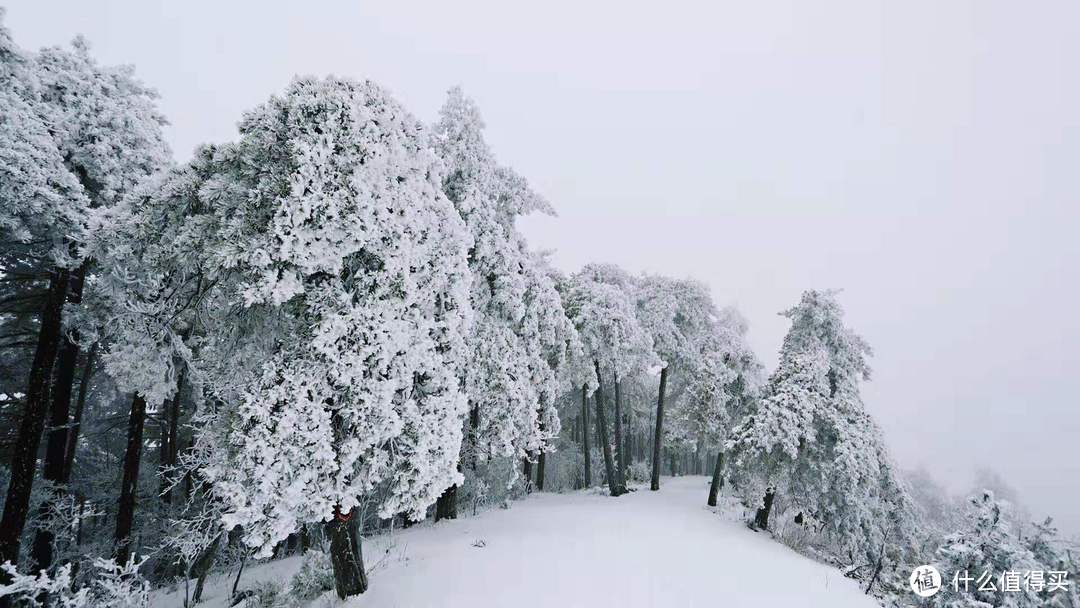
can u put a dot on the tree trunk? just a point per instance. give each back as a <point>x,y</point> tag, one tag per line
<point>880,564</point>
<point>78,539</point>
<point>125,514</point>
<point>585,433</point>
<point>761,518</point>
<point>24,457</point>
<point>717,479</point>
<point>446,505</point>
<point>526,472</point>
<point>56,439</point>
<point>163,453</point>
<point>201,568</point>
<point>541,462</point>
<point>305,539</point>
<point>346,555</point>
<point>619,447</point>
<point>658,432</point>
<point>236,581</point>
<point>614,487</point>
<point>76,420</point>
<point>171,440</point>
<point>474,428</point>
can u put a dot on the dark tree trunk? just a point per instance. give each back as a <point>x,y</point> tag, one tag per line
<point>585,433</point>
<point>658,431</point>
<point>56,439</point>
<point>474,428</point>
<point>201,568</point>
<point>171,441</point>
<point>620,474</point>
<point>628,447</point>
<point>28,439</point>
<point>527,473</point>
<point>125,514</point>
<point>717,479</point>
<point>189,477</point>
<point>236,581</point>
<point>879,565</point>
<point>76,420</point>
<point>614,487</point>
<point>761,518</point>
<point>78,539</point>
<point>305,539</point>
<point>541,462</point>
<point>346,555</point>
<point>163,452</point>
<point>446,505</point>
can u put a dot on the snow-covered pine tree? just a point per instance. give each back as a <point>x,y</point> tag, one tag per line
<point>722,381</point>
<point>676,313</point>
<point>347,229</point>
<point>979,555</point>
<point>334,275</point>
<point>600,302</point>
<point>519,341</point>
<point>163,311</point>
<point>812,440</point>
<point>75,137</point>
<point>555,355</point>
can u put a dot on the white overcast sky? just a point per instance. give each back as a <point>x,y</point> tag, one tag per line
<point>921,155</point>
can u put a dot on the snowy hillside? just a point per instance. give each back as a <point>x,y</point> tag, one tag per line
<point>582,549</point>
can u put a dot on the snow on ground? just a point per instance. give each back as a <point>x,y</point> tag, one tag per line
<point>646,548</point>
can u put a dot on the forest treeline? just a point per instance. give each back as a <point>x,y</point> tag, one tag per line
<point>332,326</point>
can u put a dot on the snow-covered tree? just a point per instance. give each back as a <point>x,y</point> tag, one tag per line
<point>676,313</point>
<point>313,276</point>
<point>721,383</point>
<point>75,136</point>
<point>811,439</point>
<point>600,302</point>
<point>977,558</point>
<point>519,342</point>
<point>348,230</point>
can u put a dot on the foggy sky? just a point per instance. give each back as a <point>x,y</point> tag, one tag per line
<point>921,155</point>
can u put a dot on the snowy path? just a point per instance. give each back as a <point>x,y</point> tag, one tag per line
<point>586,549</point>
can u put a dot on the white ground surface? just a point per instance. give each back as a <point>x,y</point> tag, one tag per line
<point>646,548</point>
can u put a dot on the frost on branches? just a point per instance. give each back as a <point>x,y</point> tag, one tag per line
<point>722,380</point>
<point>600,301</point>
<point>812,442</point>
<point>114,586</point>
<point>519,342</point>
<point>73,134</point>
<point>601,304</point>
<point>75,137</point>
<point>40,200</point>
<point>332,220</point>
<point>678,314</point>
<point>988,563</point>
